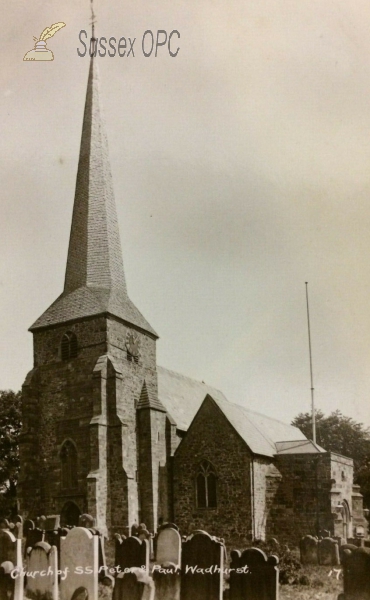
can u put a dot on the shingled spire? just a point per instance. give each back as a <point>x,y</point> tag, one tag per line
<point>94,280</point>
<point>94,255</point>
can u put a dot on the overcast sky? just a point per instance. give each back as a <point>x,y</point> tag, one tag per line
<point>241,169</point>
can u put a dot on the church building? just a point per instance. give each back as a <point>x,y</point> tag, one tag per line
<point>108,432</point>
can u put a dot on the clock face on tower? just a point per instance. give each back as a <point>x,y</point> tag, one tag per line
<point>133,344</point>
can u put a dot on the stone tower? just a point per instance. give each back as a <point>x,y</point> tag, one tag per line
<point>93,436</point>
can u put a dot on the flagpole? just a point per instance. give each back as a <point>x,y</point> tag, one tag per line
<point>311,370</point>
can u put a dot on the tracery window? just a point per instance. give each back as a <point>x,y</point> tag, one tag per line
<point>206,486</point>
<point>69,346</point>
<point>69,458</point>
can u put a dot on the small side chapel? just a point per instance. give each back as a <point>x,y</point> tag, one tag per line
<point>108,432</point>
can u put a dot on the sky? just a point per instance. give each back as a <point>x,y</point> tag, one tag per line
<point>241,169</point>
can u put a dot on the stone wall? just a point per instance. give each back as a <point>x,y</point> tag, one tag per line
<point>212,438</point>
<point>303,499</point>
<point>300,502</point>
<point>90,400</point>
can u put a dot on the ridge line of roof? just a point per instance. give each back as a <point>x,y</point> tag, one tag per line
<point>245,410</point>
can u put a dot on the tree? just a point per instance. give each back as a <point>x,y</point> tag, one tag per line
<point>10,426</point>
<point>337,433</point>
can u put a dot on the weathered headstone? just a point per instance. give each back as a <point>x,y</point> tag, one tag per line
<point>11,563</point>
<point>4,524</point>
<point>51,523</point>
<point>168,547</point>
<point>253,575</point>
<point>202,568</point>
<point>79,554</point>
<point>168,526</point>
<point>308,546</point>
<point>356,574</point>
<point>7,582</point>
<point>19,526</point>
<point>33,535</point>
<point>42,563</point>
<point>40,521</point>
<point>328,552</point>
<point>136,585</point>
<point>86,520</point>
<point>167,581</point>
<point>343,548</point>
<point>132,552</point>
<point>53,537</point>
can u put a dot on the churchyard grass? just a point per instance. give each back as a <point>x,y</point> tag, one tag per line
<point>317,584</point>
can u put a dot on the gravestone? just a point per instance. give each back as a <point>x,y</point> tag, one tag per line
<point>202,565</point>
<point>132,552</point>
<point>51,523</point>
<point>345,547</point>
<point>42,562</point>
<point>103,574</point>
<point>11,562</point>
<point>79,553</point>
<point>356,574</point>
<point>40,522</point>
<point>254,575</point>
<point>136,585</point>
<point>168,547</point>
<point>5,524</point>
<point>328,552</point>
<point>53,537</point>
<point>32,534</point>
<point>7,582</point>
<point>308,546</point>
<point>167,581</point>
<point>86,520</point>
<point>168,526</point>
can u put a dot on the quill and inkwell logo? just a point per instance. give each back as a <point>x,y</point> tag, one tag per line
<point>40,51</point>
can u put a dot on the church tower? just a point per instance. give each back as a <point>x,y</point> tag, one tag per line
<point>91,415</point>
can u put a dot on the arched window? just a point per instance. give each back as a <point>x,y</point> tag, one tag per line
<point>206,486</point>
<point>68,457</point>
<point>69,346</point>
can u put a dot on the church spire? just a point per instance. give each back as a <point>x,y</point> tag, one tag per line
<point>94,255</point>
<point>94,280</point>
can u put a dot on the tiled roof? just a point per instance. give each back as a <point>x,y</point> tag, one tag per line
<point>149,400</point>
<point>299,447</point>
<point>94,280</point>
<point>87,302</point>
<point>183,397</point>
<point>260,433</point>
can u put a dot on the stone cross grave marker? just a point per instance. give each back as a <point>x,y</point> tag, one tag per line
<point>258,576</point>
<point>309,550</point>
<point>79,554</point>
<point>168,547</point>
<point>42,562</point>
<point>202,566</point>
